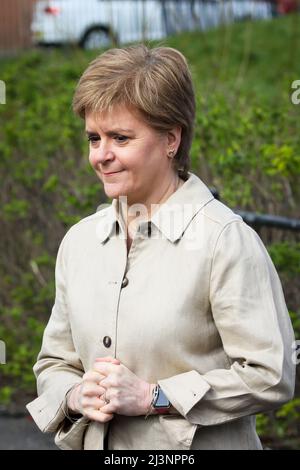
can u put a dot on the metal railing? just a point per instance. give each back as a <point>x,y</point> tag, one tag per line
<point>264,220</point>
<point>267,220</point>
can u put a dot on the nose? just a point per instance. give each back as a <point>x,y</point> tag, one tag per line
<point>103,153</point>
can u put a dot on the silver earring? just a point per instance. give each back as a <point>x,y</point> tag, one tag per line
<point>171,153</point>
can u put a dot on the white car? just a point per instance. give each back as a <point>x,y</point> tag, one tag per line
<point>95,23</point>
<point>99,23</point>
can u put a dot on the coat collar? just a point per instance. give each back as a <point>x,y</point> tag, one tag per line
<point>171,219</point>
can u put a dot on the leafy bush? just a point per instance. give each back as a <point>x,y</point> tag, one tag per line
<point>246,144</point>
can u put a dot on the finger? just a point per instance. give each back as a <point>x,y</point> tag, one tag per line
<point>94,403</point>
<point>93,376</point>
<point>108,359</point>
<point>99,403</point>
<point>102,405</point>
<point>91,390</point>
<point>105,368</point>
<point>91,403</point>
<point>107,408</point>
<point>97,415</point>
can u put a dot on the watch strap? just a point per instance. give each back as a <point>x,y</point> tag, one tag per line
<point>154,398</point>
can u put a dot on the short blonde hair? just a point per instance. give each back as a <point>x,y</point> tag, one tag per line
<point>155,82</point>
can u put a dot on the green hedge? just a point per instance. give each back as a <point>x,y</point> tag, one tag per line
<point>246,144</point>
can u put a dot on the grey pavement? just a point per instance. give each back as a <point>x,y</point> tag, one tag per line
<point>21,433</point>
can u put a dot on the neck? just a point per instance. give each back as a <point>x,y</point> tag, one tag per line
<point>170,189</point>
<point>152,206</point>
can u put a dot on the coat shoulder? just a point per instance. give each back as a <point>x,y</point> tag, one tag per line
<point>218,214</point>
<point>93,218</point>
<point>88,227</point>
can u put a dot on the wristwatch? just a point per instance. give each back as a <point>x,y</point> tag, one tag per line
<point>160,402</point>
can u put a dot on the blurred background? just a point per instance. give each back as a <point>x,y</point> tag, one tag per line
<point>244,57</point>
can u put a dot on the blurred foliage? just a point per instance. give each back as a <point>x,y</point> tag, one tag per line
<point>247,144</point>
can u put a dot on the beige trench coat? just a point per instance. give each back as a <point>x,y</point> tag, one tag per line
<point>196,306</point>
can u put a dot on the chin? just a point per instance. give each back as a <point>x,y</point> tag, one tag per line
<point>112,192</point>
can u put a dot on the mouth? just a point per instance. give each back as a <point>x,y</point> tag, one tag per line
<point>112,173</point>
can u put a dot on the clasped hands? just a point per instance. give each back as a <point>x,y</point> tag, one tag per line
<point>110,388</point>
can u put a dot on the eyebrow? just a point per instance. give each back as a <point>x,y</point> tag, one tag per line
<point>118,130</point>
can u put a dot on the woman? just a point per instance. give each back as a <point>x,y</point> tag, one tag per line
<point>169,328</point>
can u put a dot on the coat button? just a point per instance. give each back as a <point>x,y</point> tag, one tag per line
<point>107,341</point>
<point>124,282</point>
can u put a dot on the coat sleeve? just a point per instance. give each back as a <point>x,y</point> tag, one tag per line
<point>58,366</point>
<point>250,314</point>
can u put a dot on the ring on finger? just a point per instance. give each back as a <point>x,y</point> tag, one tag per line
<point>105,399</point>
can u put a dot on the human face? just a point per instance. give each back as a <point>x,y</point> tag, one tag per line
<point>128,156</point>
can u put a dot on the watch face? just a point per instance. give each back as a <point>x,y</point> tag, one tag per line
<point>162,401</point>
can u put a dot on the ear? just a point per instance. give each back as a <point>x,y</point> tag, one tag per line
<point>174,137</point>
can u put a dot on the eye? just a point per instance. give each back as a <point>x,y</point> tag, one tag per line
<point>120,138</point>
<point>93,138</point>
